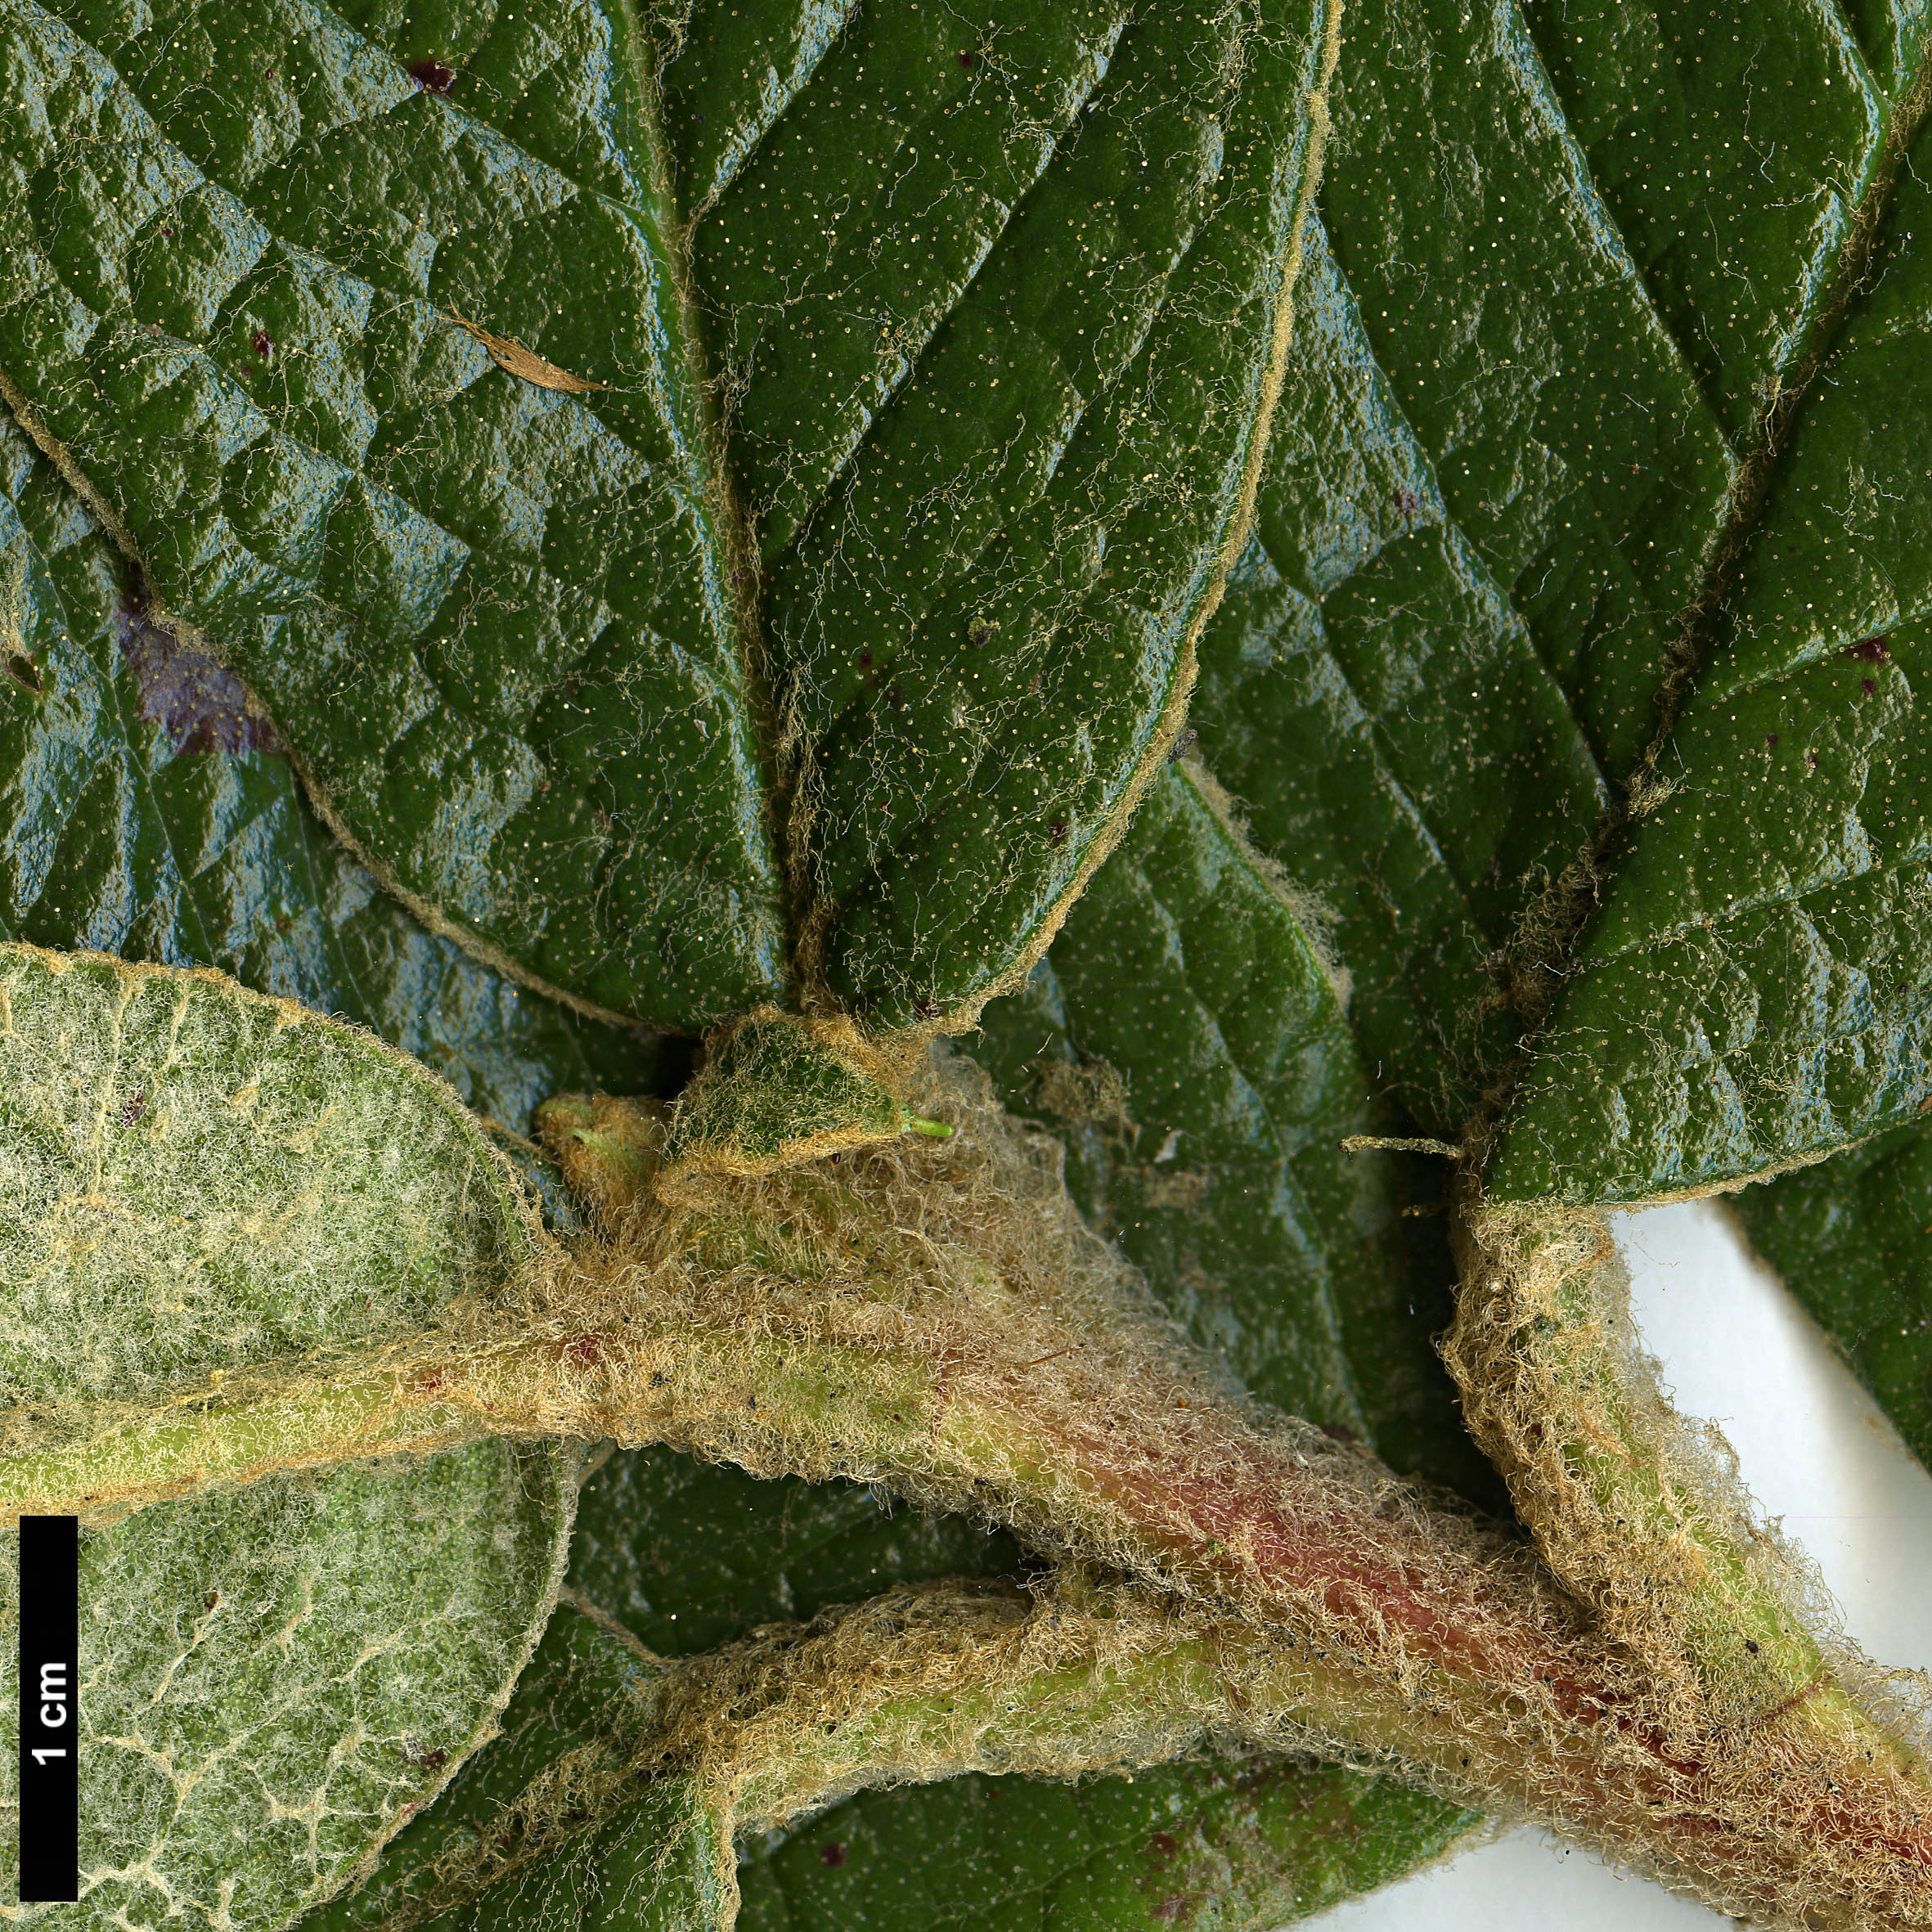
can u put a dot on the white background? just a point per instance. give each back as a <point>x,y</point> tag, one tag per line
<point>1815,1449</point>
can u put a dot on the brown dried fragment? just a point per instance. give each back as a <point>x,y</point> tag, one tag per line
<point>526,365</point>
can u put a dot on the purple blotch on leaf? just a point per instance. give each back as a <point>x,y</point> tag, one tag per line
<point>1867,685</point>
<point>1870,650</point>
<point>967,60</point>
<point>202,705</point>
<point>1770,738</point>
<point>832,1854</point>
<point>263,344</point>
<point>432,75</point>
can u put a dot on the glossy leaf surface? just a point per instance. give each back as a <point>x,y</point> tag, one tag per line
<point>989,299</point>
<point>1604,353</point>
<point>149,814</point>
<point>1750,993</point>
<point>1756,989</point>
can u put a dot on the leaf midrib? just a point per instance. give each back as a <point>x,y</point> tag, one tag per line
<point>1566,912</point>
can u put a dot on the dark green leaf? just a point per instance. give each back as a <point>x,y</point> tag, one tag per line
<point>1204,1847</point>
<point>990,297</point>
<point>1184,1036</point>
<point>499,626</point>
<point>148,814</point>
<point>1593,376</point>
<point>688,1555</point>
<point>1852,1239</point>
<point>1756,989</point>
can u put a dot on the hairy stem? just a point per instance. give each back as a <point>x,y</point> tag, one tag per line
<point>1633,1509</point>
<point>932,1315</point>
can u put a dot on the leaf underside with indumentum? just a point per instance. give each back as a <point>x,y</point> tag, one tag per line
<point>687,1557</point>
<point>991,389</point>
<point>1852,1239</point>
<point>149,814</point>
<point>586,1695</point>
<point>197,1178</point>
<point>201,1180</point>
<point>274,1678</point>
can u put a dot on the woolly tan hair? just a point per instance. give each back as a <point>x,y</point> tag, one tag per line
<point>932,1315</point>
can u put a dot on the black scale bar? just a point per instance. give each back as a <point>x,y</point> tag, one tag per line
<point>50,1709</point>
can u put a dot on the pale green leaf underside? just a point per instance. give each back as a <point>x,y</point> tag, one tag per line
<point>200,1179</point>
<point>272,1679</point>
<point>197,1177</point>
<point>993,299</point>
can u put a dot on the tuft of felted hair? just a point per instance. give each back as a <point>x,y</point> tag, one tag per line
<point>610,1149</point>
<point>933,1316</point>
